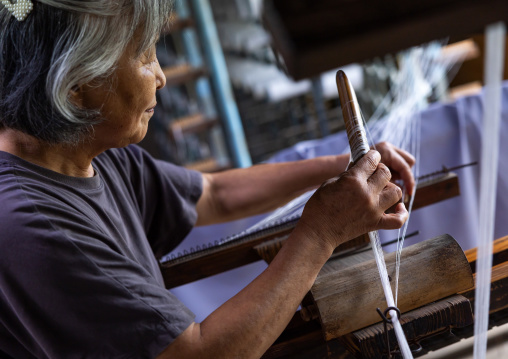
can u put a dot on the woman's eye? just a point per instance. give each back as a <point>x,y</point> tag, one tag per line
<point>150,56</point>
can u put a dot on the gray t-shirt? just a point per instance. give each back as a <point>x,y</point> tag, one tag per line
<point>78,270</point>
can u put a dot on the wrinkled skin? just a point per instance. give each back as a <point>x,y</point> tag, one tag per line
<point>354,203</point>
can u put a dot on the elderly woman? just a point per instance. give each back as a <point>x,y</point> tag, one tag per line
<point>85,213</point>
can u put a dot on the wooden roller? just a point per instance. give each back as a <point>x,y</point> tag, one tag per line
<point>346,300</point>
<point>429,325</point>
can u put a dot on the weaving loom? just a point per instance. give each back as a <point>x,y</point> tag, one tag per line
<point>366,29</point>
<point>264,242</point>
<point>340,32</point>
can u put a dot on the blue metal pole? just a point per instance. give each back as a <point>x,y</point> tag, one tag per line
<point>319,104</point>
<point>192,52</point>
<point>220,81</point>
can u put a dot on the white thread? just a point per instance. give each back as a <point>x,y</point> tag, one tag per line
<point>400,242</point>
<point>495,39</point>
<point>420,72</point>
<point>359,147</point>
<point>381,266</point>
<point>293,208</point>
<point>358,139</point>
<point>402,128</point>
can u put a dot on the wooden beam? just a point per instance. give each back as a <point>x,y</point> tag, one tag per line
<point>220,258</point>
<point>436,318</point>
<point>500,253</point>
<point>314,37</point>
<point>436,190</point>
<point>180,74</point>
<point>217,259</point>
<point>191,124</point>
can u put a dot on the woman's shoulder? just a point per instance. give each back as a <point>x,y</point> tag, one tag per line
<point>123,159</point>
<point>137,164</point>
<point>132,155</point>
<point>32,197</point>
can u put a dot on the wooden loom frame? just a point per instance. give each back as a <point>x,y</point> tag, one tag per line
<point>336,33</point>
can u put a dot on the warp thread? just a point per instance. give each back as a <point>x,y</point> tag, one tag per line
<point>494,58</point>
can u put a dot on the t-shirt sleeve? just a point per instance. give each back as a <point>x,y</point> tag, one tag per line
<point>53,290</point>
<point>166,195</point>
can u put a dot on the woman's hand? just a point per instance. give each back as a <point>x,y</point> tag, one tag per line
<point>399,162</point>
<point>355,203</point>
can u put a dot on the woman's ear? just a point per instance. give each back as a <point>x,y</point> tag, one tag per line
<point>76,96</point>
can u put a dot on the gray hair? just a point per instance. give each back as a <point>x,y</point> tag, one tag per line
<point>63,44</point>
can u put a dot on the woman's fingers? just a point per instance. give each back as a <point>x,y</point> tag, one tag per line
<point>380,177</point>
<point>399,162</point>
<point>366,166</point>
<point>389,196</point>
<point>395,219</point>
<point>354,203</point>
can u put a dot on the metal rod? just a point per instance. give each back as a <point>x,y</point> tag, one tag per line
<point>447,170</point>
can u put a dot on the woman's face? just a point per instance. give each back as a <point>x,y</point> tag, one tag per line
<point>127,100</point>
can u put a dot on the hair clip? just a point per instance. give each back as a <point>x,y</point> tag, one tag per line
<point>19,8</point>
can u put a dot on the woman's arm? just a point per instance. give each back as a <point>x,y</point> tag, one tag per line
<point>249,191</point>
<point>244,192</point>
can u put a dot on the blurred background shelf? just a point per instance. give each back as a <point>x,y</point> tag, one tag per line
<point>177,23</point>
<point>180,74</point>
<point>193,123</point>
<point>196,123</point>
<point>221,64</point>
